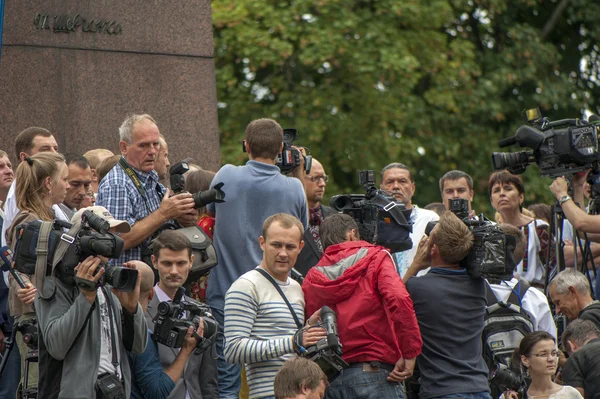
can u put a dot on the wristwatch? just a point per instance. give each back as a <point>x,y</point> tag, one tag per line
<point>564,199</point>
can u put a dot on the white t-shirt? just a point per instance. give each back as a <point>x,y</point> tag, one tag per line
<point>419,217</point>
<point>566,392</point>
<point>534,302</point>
<point>106,365</point>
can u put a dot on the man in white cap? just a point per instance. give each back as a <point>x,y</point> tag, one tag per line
<point>116,226</point>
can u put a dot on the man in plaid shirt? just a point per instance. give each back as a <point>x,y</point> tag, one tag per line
<point>131,191</point>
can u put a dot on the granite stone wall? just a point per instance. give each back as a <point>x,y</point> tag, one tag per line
<point>79,67</point>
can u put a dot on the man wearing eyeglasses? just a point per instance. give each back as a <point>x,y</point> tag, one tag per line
<point>314,186</point>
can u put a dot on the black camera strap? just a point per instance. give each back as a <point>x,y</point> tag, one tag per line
<point>136,181</point>
<point>278,288</point>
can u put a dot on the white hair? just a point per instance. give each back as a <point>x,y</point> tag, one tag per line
<point>126,128</point>
<point>571,278</point>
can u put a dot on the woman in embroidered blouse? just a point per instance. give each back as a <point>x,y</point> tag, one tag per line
<point>507,194</point>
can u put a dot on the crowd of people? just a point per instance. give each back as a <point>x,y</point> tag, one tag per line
<point>412,323</point>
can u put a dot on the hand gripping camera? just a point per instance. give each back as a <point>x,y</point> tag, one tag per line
<point>174,318</point>
<point>327,353</point>
<point>201,198</point>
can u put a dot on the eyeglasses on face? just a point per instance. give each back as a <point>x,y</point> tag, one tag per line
<point>315,179</point>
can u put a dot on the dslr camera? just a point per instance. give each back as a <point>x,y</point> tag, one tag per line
<point>201,198</point>
<point>289,158</point>
<point>327,353</point>
<point>170,329</point>
<point>559,148</point>
<point>381,219</point>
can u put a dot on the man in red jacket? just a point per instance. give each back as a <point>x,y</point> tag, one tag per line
<point>376,320</point>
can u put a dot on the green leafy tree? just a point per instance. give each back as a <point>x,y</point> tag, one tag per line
<point>432,84</point>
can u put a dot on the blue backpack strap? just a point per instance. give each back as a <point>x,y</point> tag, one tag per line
<point>518,292</point>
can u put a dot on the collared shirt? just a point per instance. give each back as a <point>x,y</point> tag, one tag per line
<point>419,218</point>
<point>120,196</point>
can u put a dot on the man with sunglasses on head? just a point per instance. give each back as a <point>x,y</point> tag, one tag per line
<point>314,187</point>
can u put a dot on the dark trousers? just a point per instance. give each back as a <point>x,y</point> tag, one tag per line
<point>355,383</point>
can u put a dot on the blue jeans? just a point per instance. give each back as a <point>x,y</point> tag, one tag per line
<point>229,374</point>
<point>478,395</point>
<point>355,383</point>
<point>11,375</point>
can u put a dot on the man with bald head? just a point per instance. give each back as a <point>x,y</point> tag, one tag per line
<point>314,187</point>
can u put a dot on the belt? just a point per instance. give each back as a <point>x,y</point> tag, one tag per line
<point>372,366</point>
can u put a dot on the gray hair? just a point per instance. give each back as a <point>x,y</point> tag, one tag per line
<point>571,278</point>
<point>126,128</point>
<point>396,165</point>
<point>579,331</point>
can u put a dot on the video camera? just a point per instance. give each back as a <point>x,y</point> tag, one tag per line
<point>492,254</point>
<point>170,329</point>
<point>90,238</point>
<point>201,198</point>
<point>328,351</point>
<point>381,219</point>
<point>289,158</point>
<point>560,148</point>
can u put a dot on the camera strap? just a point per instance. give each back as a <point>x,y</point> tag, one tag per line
<point>136,181</point>
<point>111,318</point>
<point>278,288</point>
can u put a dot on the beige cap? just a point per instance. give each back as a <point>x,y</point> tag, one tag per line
<point>121,226</point>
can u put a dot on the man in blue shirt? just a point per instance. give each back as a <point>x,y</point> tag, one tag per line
<point>131,191</point>
<point>253,192</point>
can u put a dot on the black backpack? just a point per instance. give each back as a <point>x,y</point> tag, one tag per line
<point>506,323</point>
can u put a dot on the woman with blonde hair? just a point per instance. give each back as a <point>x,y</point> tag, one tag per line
<point>41,182</point>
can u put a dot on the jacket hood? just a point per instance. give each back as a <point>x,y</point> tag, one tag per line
<point>343,265</point>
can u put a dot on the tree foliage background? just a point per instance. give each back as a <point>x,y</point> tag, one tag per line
<point>432,84</point>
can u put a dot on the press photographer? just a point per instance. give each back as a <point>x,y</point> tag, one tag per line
<point>452,345</point>
<point>375,316</point>
<point>177,321</point>
<point>86,327</point>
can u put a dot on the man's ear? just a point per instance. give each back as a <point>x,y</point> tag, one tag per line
<point>261,241</point>
<point>154,261</point>
<point>301,245</point>
<point>123,147</point>
<point>191,260</point>
<point>572,347</point>
<point>22,157</point>
<point>572,291</point>
<point>94,176</point>
<point>151,294</point>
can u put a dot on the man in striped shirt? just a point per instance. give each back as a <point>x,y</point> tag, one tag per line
<point>259,325</point>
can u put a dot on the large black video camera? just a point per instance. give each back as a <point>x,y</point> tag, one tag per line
<point>381,219</point>
<point>560,148</point>
<point>328,351</point>
<point>201,198</point>
<point>91,239</point>
<point>492,254</point>
<point>170,329</point>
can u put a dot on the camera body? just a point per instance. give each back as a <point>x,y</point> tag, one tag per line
<point>560,148</point>
<point>201,198</point>
<point>170,330</point>
<point>327,352</point>
<point>381,219</point>
<point>502,379</point>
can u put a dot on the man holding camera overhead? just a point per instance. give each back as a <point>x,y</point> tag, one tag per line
<point>131,191</point>
<point>86,330</point>
<point>254,192</point>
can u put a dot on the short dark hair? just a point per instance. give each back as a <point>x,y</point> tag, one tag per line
<point>455,175</point>
<point>579,331</point>
<point>264,136</point>
<point>173,240</point>
<point>295,374</point>
<point>24,141</point>
<point>503,177</point>
<point>285,220</point>
<point>333,229</point>
<point>199,180</point>
<point>396,165</point>
<point>541,211</point>
<point>437,207</point>
<point>79,160</point>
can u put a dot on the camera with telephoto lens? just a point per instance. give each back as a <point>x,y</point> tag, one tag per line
<point>201,198</point>
<point>381,219</point>
<point>492,254</point>
<point>170,328</point>
<point>327,353</point>
<point>560,148</point>
<point>290,158</point>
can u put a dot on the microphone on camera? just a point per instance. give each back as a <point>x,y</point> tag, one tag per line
<point>508,141</point>
<point>6,265</point>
